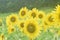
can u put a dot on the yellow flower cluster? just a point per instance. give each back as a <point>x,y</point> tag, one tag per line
<point>31,22</point>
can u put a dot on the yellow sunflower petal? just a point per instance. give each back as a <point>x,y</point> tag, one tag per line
<point>57,8</point>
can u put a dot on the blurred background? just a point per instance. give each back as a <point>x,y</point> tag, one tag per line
<point>15,5</point>
<point>8,7</point>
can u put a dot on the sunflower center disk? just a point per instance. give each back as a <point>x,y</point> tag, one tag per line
<point>50,19</point>
<point>31,28</point>
<point>33,15</point>
<point>23,13</point>
<point>0,24</point>
<point>40,15</point>
<point>12,29</point>
<point>13,19</point>
<point>22,25</point>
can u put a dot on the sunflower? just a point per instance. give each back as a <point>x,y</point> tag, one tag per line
<point>23,12</point>
<point>57,16</point>
<point>11,29</point>
<point>33,13</point>
<point>56,22</point>
<point>31,28</point>
<point>1,37</point>
<point>45,26</point>
<point>41,15</point>
<point>12,19</point>
<point>50,19</point>
<point>21,25</point>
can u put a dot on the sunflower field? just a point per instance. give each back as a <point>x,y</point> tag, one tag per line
<point>30,24</point>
